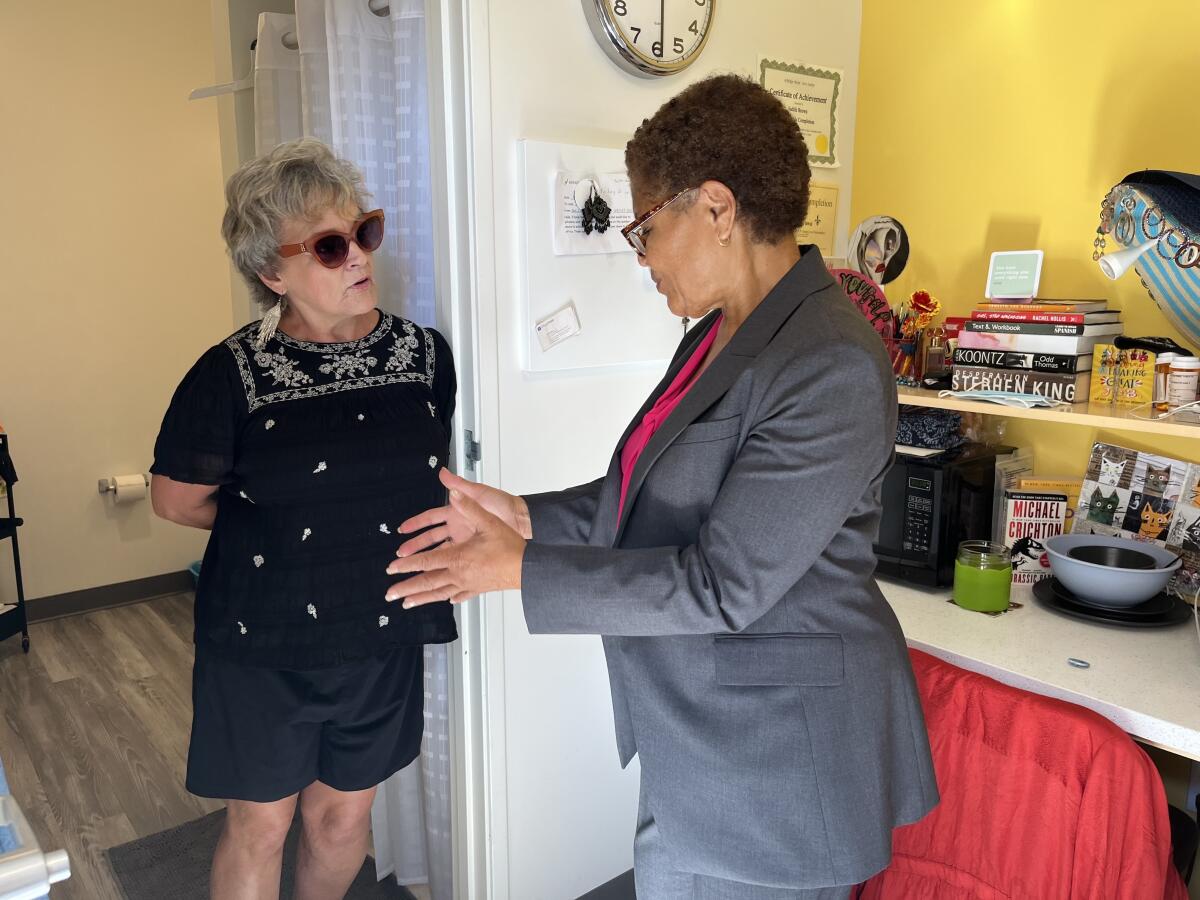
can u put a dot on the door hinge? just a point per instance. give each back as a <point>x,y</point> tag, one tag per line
<point>471,449</point>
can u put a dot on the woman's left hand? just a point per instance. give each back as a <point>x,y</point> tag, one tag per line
<point>489,560</point>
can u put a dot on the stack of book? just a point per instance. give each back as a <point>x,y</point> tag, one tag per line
<point>1039,347</point>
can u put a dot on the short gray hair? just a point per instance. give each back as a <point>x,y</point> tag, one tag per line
<point>297,180</point>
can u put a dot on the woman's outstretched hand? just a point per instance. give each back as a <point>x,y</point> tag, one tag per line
<point>484,553</point>
<point>446,524</point>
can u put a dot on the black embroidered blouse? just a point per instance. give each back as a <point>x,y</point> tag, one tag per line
<point>320,450</point>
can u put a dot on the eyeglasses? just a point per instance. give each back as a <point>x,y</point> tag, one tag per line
<point>331,248</point>
<point>634,231</point>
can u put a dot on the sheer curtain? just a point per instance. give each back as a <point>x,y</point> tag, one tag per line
<point>358,71</point>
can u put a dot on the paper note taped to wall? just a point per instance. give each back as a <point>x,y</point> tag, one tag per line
<point>569,235</point>
<point>557,327</point>
<point>810,94</point>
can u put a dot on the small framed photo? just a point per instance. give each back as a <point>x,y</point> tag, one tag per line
<point>1014,275</point>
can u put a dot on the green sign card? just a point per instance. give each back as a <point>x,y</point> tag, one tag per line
<point>1014,275</point>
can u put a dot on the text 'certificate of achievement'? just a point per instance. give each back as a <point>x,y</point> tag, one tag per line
<point>810,94</point>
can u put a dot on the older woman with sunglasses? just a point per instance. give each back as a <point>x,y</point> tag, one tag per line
<point>726,555</point>
<point>302,442</point>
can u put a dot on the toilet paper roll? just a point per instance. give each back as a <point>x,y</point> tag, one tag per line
<point>129,488</point>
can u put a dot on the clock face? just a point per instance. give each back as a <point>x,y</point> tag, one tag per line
<point>651,37</point>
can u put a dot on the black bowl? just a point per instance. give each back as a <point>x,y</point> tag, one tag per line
<point>1115,557</point>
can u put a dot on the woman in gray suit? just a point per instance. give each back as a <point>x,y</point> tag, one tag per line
<point>726,556</point>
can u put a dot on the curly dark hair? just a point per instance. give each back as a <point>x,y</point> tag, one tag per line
<point>729,129</point>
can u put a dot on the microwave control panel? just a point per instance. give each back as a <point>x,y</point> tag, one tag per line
<point>918,515</point>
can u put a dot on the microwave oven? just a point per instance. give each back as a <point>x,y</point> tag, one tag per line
<point>930,505</point>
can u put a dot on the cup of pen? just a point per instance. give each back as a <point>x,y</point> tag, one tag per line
<point>982,576</point>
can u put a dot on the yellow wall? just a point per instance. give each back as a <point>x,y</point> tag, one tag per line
<point>1002,125</point>
<point>112,205</point>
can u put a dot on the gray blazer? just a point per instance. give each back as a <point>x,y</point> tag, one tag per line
<point>755,667</point>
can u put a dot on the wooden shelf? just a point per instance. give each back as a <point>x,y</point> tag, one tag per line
<point>1099,415</point>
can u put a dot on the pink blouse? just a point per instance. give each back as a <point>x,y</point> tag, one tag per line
<point>663,407</point>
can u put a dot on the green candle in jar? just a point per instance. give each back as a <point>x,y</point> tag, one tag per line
<point>982,576</point>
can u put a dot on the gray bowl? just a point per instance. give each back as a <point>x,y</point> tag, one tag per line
<point>1109,586</point>
<point>1114,557</point>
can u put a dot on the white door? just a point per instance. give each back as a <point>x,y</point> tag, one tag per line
<point>544,811</point>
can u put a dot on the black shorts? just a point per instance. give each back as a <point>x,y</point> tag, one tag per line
<point>265,734</point>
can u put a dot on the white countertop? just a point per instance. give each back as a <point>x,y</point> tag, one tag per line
<point>1146,680</point>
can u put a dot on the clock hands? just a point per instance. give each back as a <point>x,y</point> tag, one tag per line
<point>662,25</point>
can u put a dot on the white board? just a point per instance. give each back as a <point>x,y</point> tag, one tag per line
<point>624,320</point>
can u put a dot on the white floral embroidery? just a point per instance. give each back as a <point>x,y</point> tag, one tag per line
<point>383,528</point>
<point>270,424</point>
<point>383,620</point>
<point>290,370</point>
<point>312,610</point>
<point>241,628</point>
<point>347,365</point>
<point>258,560</point>
<point>403,350</point>
<point>284,371</point>
<point>243,495</point>
<point>432,409</point>
<point>361,417</point>
<point>433,462</point>
<point>307,534</point>
<point>321,467</point>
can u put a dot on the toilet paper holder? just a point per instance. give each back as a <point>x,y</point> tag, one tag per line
<point>107,485</point>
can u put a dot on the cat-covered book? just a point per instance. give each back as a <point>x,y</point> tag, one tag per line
<point>1030,518</point>
<point>1144,497</point>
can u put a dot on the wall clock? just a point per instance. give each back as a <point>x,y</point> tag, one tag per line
<point>651,37</point>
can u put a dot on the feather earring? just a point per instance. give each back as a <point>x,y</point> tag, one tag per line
<point>270,322</point>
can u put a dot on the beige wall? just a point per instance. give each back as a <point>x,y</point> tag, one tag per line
<point>115,278</point>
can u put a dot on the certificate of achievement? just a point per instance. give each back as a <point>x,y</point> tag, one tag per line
<point>810,94</point>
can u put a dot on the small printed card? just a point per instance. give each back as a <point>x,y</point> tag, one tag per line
<point>557,327</point>
<point>1014,275</point>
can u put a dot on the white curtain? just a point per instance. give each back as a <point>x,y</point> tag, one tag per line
<point>357,69</point>
<point>276,82</point>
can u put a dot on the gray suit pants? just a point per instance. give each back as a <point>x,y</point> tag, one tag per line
<point>657,879</point>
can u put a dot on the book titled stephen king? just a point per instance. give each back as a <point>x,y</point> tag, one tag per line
<point>1008,359</point>
<point>1044,328</point>
<point>1068,387</point>
<point>1030,519</point>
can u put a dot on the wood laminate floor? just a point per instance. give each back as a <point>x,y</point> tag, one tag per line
<point>94,726</point>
